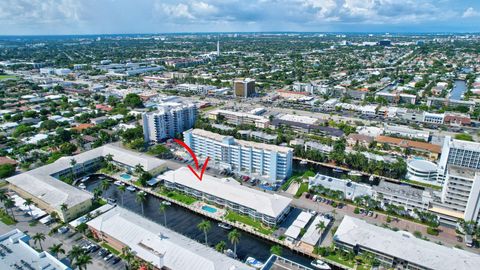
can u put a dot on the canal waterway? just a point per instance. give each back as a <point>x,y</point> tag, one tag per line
<point>459,88</point>
<point>185,222</point>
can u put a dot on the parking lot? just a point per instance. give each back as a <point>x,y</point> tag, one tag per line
<point>68,239</point>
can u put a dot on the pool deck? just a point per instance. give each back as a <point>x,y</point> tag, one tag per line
<point>219,213</point>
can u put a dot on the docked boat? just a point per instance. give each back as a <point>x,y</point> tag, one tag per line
<point>119,183</point>
<point>254,263</point>
<point>319,264</point>
<point>166,203</point>
<point>225,226</point>
<point>131,188</point>
<point>84,179</point>
<point>303,162</point>
<point>354,173</point>
<point>230,253</point>
<point>101,177</point>
<point>82,186</point>
<point>338,170</point>
<point>371,178</point>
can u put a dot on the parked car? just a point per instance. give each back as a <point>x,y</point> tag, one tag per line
<point>63,229</point>
<point>103,252</point>
<point>108,257</point>
<point>116,260</point>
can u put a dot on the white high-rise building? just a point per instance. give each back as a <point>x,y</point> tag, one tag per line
<point>170,119</point>
<point>266,161</point>
<point>460,153</point>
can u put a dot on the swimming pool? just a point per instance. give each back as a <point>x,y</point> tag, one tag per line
<point>209,209</point>
<point>126,176</point>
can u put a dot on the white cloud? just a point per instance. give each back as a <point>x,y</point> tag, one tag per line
<point>470,12</point>
<point>172,11</point>
<point>40,11</point>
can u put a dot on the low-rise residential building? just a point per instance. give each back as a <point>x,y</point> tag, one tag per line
<point>400,249</point>
<point>239,118</point>
<point>258,136</point>
<point>432,150</point>
<point>229,194</point>
<point>16,253</point>
<point>402,195</point>
<point>350,189</point>
<point>44,187</point>
<point>270,162</point>
<point>156,244</point>
<point>433,118</point>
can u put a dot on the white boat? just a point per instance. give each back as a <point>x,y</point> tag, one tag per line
<point>84,179</point>
<point>338,170</point>
<point>101,177</point>
<point>254,263</point>
<point>230,253</point>
<point>371,178</point>
<point>224,226</point>
<point>319,264</point>
<point>166,203</point>
<point>303,162</point>
<point>354,173</point>
<point>131,188</point>
<point>119,183</point>
<point>82,186</point>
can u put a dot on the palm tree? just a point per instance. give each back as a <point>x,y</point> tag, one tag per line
<point>163,209</point>
<point>127,255</point>
<point>38,238</point>
<point>73,162</point>
<point>54,216</point>
<point>122,190</point>
<point>320,226</point>
<point>234,237</point>
<point>82,261</point>
<point>205,226</point>
<point>74,253</point>
<point>277,250</point>
<point>139,169</point>
<point>109,157</point>
<point>97,193</point>
<point>56,249</point>
<point>3,195</point>
<point>141,197</point>
<point>9,204</point>
<point>28,202</point>
<point>104,185</point>
<point>64,208</point>
<point>220,247</point>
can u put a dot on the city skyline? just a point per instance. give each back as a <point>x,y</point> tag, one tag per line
<point>64,17</point>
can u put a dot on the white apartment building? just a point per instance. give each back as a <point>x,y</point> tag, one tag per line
<point>195,88</point>
<point>433,118</point>
<point>265,161</point>
<point>240,118</point>
<point>460,153</point>
<point>406,132</point>
<point>461,193</point>
<point>171,119</point>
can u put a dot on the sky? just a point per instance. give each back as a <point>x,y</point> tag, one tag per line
<point>60,17</point>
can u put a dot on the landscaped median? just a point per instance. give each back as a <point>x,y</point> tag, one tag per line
<point>5,218</point>
<point>255,224</point>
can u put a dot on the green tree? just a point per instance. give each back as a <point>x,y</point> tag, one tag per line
<point>234,237</point>
<point>83,261</point>
<point>7,170</point>
<point>75,253</point>
<point>276,249</point>
<point>205,226</point>
<point>133,101</point>
<point>39,238</point>
<point>105,184</point>
<point>57,249</point>
<point>163,210</point>
<point>122,190</point>
<point>28,203</point>
<point>141,197</point>
<point>220,246</point>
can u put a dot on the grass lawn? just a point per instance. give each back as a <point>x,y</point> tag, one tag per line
<point>364,267</point>
<point>304,175</point>
<point>4,77</point>
<point>421,184</point>
<point>232,216</point>
<point>339,260</point>
<point>110,248</point>
<point>303,188</point>
<point>7,219</point>
<point>179,197</point>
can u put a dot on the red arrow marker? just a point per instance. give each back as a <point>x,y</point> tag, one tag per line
<point>190,151</point>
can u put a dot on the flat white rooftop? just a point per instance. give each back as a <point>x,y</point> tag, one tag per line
<point>228,189</point>
<point>163,247</point>
<point>15,249</point>
<point>220,138</point>
<point>299,119</point>
<point>404,245</point>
